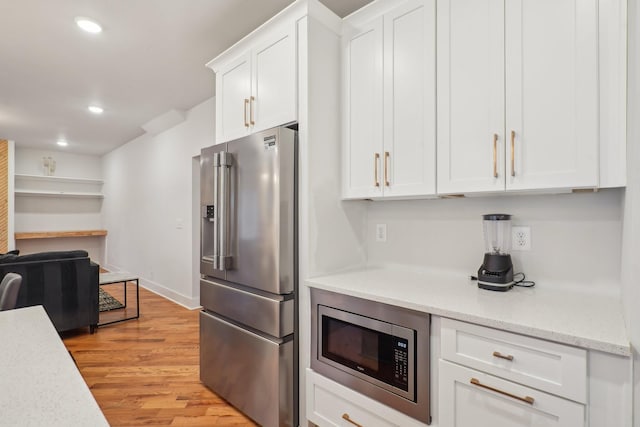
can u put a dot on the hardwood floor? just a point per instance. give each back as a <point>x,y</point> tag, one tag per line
<point>145,371</point>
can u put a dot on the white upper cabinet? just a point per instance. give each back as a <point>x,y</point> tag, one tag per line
<point>470,96</point>
<point>257,89</point>
<point>389,101</point>
<point>410,100</point>
<point>517,95</point>
<point>363,111</point>
<point>551,62</point>
<point>233,86</point>
<point>273,84</point>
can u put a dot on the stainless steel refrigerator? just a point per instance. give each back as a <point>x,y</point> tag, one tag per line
<point>248,266</point>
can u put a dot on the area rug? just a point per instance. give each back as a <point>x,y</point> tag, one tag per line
<point>107,302</point>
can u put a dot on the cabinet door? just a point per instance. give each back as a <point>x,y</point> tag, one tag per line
<point>233,89</point>
<point>409,100</point>
<point>465,404</point>
<point>470,58</point>
<point>363,112</point>
<point>273,85</point>
<point>552,93</point>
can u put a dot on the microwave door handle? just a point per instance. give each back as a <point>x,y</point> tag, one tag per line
<point>216,211</point>
<point>226,163</point>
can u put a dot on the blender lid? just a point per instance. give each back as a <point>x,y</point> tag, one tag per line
<point>496,217</point>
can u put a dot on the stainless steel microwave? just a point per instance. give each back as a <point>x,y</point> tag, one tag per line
<point>379,350</point>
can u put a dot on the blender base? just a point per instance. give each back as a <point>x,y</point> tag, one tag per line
<point>501,287</point>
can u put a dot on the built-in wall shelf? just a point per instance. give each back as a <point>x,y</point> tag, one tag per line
<point>57,186</point>
<point>58,234</point>
<point>74,194</point>
<point>58,179</point>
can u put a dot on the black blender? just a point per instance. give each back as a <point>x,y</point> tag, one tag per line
<point>496,271</point>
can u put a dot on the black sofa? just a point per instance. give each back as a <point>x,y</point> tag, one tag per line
<point>66,283</point>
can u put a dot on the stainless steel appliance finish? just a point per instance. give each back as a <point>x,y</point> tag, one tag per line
<point>368,364</point>
<point>248,263</point>
<point>250,371</point>
<point>272,315</point>
<point>248,234</point>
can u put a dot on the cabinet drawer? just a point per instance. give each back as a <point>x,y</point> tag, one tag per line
<point>329,404</point>
<point>552,367</point>
<point>469,398</point>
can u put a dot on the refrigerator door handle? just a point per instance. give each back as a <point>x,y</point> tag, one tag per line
<point>226,162</point>
<point>216,214</point>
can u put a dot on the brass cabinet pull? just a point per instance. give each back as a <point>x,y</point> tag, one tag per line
<point>251,120</point>
<point>346,417</point>
<point>386,168</point>
<point>246,123</point>
<point>376,157</point>
<point>495,155</point>
<point>502,356</point>
<point>513,150</point>
<point>526,399</point>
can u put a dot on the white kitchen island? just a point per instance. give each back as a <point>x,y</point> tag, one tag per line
<point>39,382</point>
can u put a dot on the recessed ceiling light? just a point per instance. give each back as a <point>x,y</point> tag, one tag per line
<point>95,109</point>
<point>88,25</point>
<point>62,143</point>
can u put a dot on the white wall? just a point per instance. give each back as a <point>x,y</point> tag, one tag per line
<point>29,162</point>
<point>575,238</point>
<point>148,205</point>
<point>58,213</point>
<point>631,241</point>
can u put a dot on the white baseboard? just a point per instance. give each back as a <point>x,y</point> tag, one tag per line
<point>183,300</point>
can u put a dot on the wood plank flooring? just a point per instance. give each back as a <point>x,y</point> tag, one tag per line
<point>146,371</point>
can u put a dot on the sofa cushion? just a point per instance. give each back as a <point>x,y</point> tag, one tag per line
<point>7,258</point>
<point>42,256</point>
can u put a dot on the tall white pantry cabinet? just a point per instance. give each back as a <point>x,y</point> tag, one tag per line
<point>287,71</point>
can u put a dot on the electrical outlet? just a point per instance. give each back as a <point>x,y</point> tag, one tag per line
<point>381,232</point>
<point>521,238</point>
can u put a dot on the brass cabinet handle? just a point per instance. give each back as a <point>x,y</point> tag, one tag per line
<point>386,168</point>
<point>346,417</point>
<point>251,120</point>
<point>376,157</point>
<point>526,399</point>
<point>513,150</point>
<point>495,155</point>
<point>246,123</point>
<point>502,356</point>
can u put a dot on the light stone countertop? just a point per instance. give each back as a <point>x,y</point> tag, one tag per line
<point>39,382</point>
<point>579,319</point>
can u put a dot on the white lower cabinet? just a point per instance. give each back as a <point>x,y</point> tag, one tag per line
<point>330,404</point>
<point>494,378</point>
<point>470,398</point>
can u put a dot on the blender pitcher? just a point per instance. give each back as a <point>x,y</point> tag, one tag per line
<point>496,271</point>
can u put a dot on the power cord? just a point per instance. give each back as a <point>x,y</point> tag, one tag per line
<point>523,283</point>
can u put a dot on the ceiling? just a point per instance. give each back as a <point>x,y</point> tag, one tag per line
<point>148,60</point>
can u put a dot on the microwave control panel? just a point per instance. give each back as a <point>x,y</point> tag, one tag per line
<point>401,361</point>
